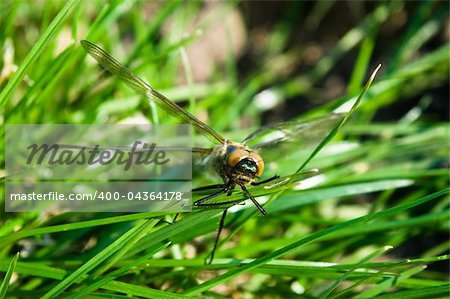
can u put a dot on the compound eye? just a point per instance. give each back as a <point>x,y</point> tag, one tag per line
<point>236,156</point>
<point>259,163</point>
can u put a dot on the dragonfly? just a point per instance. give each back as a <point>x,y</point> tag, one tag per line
<point>240,165</point>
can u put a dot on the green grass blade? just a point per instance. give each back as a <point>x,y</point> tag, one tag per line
<point>77,225</point>
<point>343,121</point>
<point>388,283</point>
<point>78,274</point>
<point>94,284</point>
<point>136,290</point>
<point>374,254</point>
<point>39,270</point>
<point>362,63</point>
<point>36,51</point>
<point>255,71</point>
<point>431,292</point>
<point>312,237</point>
<point>119,254</point>
<point>8,275</point>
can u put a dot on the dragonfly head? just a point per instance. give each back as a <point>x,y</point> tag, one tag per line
<point>245,162</point>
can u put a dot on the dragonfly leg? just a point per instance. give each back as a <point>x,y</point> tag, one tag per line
<point>175,218</point>
<point>223,186</point>
<point>206,198</point>
<point>260,208</point>
<point>275,177</point>
<point>216,186</point>
<point>216,241</point>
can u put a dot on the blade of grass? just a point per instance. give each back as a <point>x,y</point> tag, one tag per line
<point>316,195</point>
<point>388,283</point>
<point>393,82</point>
<point>358,265</point>
<point>431,292</point>
<point>78,274</point>
<point>190,222</point>
<point>362,62</point>
<point>303,83</point>
<point>136,290</point>
<point>289,201</point>
<point>310,238</point>
<point>343,121</point>
<point>36,51</point>
<point>275,267</point>
<point>40,270</point>
<point>117,256</point>
<point>422,12</point>
<point>347,291</point>
<point>329,136</point>
<point>8,20</point>
<point>8,275</point>
<point>94,284</point>
<point>77,225</point>
<point>424,220</point>
<point>345,235</point>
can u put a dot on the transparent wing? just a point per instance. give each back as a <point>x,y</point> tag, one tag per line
<point>200,150</point>
<point>291,141</point>
<point>198,153</point>
<point>29,171</point>
<point>144,88</point>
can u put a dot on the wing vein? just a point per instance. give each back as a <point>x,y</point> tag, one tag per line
<point>139,85</point>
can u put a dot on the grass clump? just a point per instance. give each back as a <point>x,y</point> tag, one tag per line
<point>373,224</point>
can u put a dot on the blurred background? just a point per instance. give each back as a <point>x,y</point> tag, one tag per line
<point>239,65</point>
<point>281,58</point>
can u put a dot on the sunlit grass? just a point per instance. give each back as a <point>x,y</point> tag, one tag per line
<point>373,223</point>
